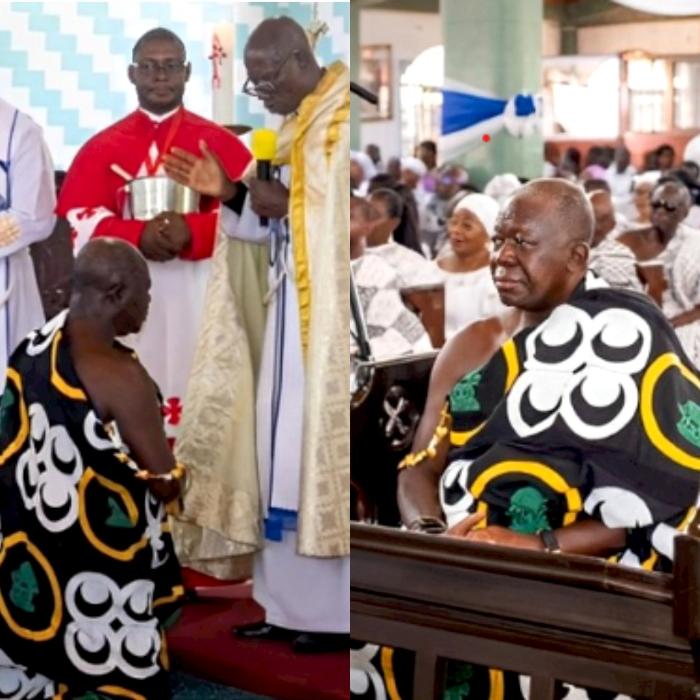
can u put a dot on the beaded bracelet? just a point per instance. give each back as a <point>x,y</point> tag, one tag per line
<point>177,472</point>
<point>413,459</point>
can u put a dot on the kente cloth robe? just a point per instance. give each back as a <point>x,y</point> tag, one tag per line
<point>88,572</point>
<point>93,201</point>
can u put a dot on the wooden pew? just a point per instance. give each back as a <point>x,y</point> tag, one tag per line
<point>385,410</point>
<point>555,617</point>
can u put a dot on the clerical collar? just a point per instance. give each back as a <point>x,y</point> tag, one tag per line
<point>158,118</point>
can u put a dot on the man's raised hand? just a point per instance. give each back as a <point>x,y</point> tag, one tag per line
<point>205,175</point>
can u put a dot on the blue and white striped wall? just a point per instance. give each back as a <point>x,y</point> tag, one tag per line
<point>65,63</point>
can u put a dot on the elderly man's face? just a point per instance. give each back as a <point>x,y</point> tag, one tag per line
<point>529,263</point>
<point>669,206</point>
<point>276,80</point>
<point>159,73</point>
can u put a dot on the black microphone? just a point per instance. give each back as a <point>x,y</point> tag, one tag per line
<point>264,147</point>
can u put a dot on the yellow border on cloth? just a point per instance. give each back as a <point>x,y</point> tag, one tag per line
<point>16,444</point>
<point>646,408</point>
<point>340,116</point>
<point>72,392</point>
<point>297,196</point>
<point>510,354</point>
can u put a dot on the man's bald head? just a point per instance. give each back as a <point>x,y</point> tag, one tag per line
<point>281,64</point>
<point>670,204</point>
<point>279,36</point>
<point>111,282</point>
<point>561,201</point>
<point>541,244</point>
<point>104,261</point>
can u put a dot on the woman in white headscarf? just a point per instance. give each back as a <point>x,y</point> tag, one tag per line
<point>362,170</point>
<point>469,290</point>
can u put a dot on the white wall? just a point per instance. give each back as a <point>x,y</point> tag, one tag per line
<point>680,36</point>
<point>408,33</point>
<point>551,38</point>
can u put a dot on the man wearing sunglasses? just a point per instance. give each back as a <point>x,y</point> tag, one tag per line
<point>178,247</point>
<point>668,260</point>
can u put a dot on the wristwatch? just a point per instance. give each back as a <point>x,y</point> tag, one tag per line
<point>550,541</point>
<point>428,524</point>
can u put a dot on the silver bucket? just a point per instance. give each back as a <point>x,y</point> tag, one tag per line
<point>146,197</point>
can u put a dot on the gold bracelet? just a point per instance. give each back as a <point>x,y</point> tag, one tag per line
<point>177,472</point>
<point>413,459</point>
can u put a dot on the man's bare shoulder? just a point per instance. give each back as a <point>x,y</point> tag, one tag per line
<point>473,346</point>
<point>636,240</point>
<point>113,375</point>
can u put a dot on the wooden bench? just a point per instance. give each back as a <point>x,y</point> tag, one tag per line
<point>554,617</point>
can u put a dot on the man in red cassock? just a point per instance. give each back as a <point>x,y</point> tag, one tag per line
<point>178,247</point>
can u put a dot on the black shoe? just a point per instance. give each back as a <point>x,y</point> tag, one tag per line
<point>320,642</point>
<point>263,630</point>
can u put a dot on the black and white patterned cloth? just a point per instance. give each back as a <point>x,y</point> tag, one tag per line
<point>594,413</point>
<point>88,573</point>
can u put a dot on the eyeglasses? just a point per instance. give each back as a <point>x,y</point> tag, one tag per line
<point>265,87</point>
<point>148,69</point>
<point>657,204</point>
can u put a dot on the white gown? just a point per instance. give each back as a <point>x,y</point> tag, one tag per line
<point>27,201</point>
<point>302,593</point>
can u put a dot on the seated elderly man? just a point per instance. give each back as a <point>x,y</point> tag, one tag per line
<point>577,433</point>
<point>570,423</point>
<point>88,573</point>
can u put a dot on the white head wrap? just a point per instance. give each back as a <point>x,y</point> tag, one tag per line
<point>365,162</point>
<point>415,165</point>
<point>501,187</point>
<point>485,209</point>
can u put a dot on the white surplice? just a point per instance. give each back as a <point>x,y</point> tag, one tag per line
<point>27,201</point>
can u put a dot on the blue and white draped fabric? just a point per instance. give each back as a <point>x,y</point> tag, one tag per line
<point>5,277</point>
<point>468,113</point>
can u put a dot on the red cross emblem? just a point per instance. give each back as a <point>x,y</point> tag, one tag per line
<point>86,213</point>
<point>172,410</point>
<point>217,56</point>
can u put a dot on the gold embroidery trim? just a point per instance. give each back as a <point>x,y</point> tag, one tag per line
<point>297,204</point>
<point>340,116</point>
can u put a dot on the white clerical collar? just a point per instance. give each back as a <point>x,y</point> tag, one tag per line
<point>158,117</point>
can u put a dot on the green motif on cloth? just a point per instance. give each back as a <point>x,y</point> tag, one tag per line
<point>117,517</point>
<point>689,424</point>
<point>6,403</point>
<point>463,397</point>
<point>24,587</point>
<point>90,695</point>
<point>528,511</point>
<point>457,683</point>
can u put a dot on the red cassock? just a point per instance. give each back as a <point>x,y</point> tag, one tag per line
<point>91,201</point>
<point>89,197</point>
